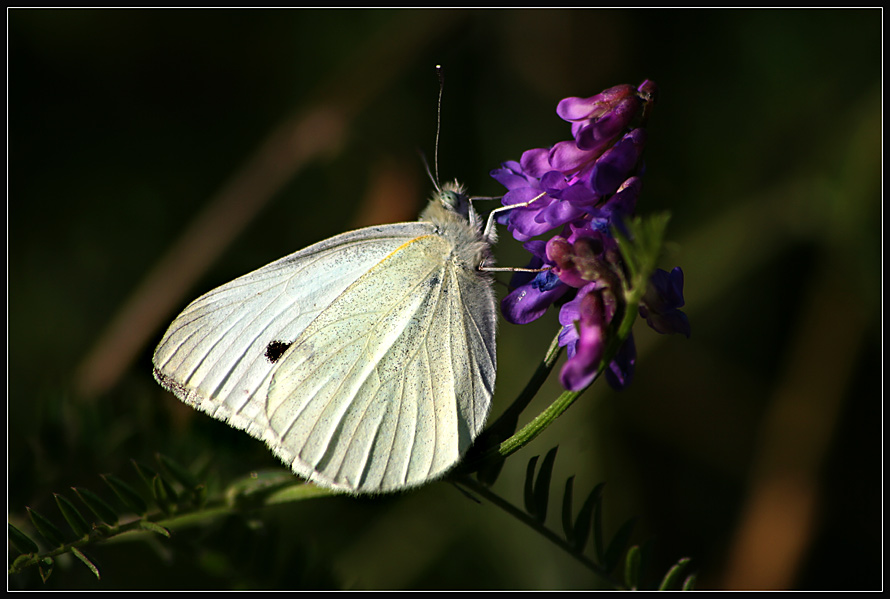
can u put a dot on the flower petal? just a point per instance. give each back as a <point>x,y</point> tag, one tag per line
<point>621,370</point>
<point>527,303</point>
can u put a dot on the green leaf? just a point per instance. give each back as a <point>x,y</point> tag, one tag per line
<point>126,494</point>
<point>45,567</point>
<point>154,527</point>
<point>585,519</point>
<point>97,505</point>
<point>74,518</point>
<point>597,521</point>
<point>47,529</point>
<point>77,553</point>
<point>568,526</point>
<point>632,568</point>
<point>146,473</point>
<point>300,491</point>
<point>252,490</point>
<point>178,472</point>
<point>642,246</point>
<point>21,541</point>
<point>529,491</point>
<point>542,485</point>
<point>673,575</point>
<point>616,548</point>
<point>689,583</point>
<point>164,494</point>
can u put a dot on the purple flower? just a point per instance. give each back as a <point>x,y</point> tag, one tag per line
<point>529,301</point>
<point>583,189</point>
<point>577,179</point>
<point>662,302</point>
<point>532,292</point>
<point>621,369</point>
<point>581,258</point>
<point>525,222</point>
<point>596,123</point>
<point>584,334</point>
<point>617,163</point>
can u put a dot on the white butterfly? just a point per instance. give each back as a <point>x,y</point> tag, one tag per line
<point>366,361</point>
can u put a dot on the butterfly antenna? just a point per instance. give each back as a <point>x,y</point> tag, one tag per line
<point>429,174</point>
<point>441,75</point>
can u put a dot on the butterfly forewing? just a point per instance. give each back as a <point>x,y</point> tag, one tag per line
<point>215,354</point>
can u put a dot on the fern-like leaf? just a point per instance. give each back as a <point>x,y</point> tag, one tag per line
<point>102,510</point>
<point>128,496</point>
<point>21,541</point>
<point>617,545</point>
<point>146,473</point>
<point>632,568</point>
<point>86,561</point>
<point>154,527</point>
<point>568,523</point>
<point>164,494</point>
<point>581,530</point>
<point>542,485</point>
<point>537,488</point>
<point>45,567</point>
<point>179,472</point>
<point>673,575</point>
<point>528,495</point>
<point>46,528</point>
<point>73,517</point>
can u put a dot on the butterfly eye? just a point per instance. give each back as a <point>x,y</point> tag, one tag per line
<point>455,201</point>
<point>451,199</point>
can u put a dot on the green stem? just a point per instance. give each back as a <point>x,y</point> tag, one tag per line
<point>158,522</point>
<point>567,398</point>
<point>641,262</point>
<point>534,428</point>
<point>511,414</point>
<point>473,485</point>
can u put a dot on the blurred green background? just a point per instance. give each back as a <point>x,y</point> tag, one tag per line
<point>156,154</point>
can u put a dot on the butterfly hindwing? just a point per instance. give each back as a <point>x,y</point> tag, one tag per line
<point>391,383</point>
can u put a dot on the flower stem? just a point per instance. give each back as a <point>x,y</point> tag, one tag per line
<point>483,491</point>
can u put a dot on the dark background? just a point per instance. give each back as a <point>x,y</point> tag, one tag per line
<point>754,447</point>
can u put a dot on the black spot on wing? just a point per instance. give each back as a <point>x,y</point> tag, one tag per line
<point>275,350</point>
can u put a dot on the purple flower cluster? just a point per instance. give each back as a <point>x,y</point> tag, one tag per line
<point>585,187</point>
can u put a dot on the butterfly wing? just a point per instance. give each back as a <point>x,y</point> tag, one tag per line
<point>390,384</point>
<point>220,353</point>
